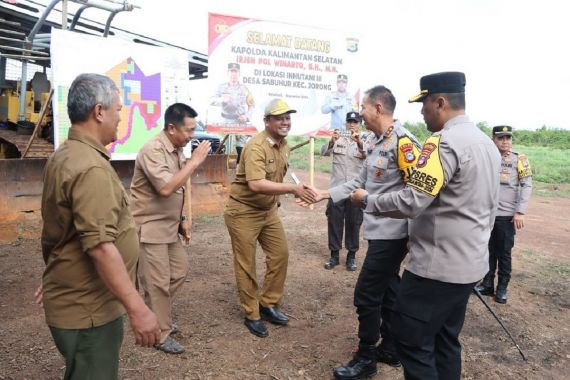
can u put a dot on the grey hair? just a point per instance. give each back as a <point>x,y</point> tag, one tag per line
<point>86,91</point>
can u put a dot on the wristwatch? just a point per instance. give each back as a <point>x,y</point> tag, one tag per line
<point>365,200</point>
<point>183,218</point>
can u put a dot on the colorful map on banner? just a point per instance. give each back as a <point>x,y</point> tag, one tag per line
<point>147,83</point>
<point>253,61</point>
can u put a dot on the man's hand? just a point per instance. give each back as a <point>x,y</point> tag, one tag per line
<point>200,153</point>
<point>305,193</point>
<point>39,296</point>
<point>145,326</point>
<point>357,196</point>
<point>518,220</point>
<point>242,118</point>
<point>318,195</point>
<point>185,229</point>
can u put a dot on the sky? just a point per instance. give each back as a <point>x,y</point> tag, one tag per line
<point>515,53</point>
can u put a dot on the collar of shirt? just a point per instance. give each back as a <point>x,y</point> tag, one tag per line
<point>87,139</point>
<point>164,139</point>
<point>460,119</point>
<point>378,139</point>
<point>271,142</point>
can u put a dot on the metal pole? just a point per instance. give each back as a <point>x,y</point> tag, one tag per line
<point>478,294</point>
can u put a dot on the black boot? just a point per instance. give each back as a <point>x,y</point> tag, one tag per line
<point>351,261</point>
<point>486,287</point>
<point>333,261</point>
<point>362,365</point>
<point>501,294</point>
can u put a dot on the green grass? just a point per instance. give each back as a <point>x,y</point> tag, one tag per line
<point>299,158</point>
<point>548,165</point>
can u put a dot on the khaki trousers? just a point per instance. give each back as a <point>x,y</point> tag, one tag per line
<point>247,226</point>
<point>162,270</point>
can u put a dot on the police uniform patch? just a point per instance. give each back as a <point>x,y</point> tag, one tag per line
<point>407,155</point>
<point>523,167</point>
<point>408,151</point>
<point>427,150</point>
<point>429,177</point>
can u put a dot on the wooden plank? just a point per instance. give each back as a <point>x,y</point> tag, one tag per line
<point>43,112</point>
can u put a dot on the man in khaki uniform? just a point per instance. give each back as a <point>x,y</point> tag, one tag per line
<point>251,215</point>
<point>157,190</point>
<point>89,240</point>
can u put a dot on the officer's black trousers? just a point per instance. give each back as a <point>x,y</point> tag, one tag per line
<point>343,216</point>
<point>376,289</point>
<point>500,247</point>
<point>428,319</point>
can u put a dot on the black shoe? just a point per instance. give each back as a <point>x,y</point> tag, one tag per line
<point>486,286</point>
<point>351,264</point>
<point>484,290</point>
<point>501,294</point>
<point>170,346</point>
<point>256,327</point>
<point>357,368</point>
<point>273,315</point>
<point>386,357</point>
<point>333,261</point>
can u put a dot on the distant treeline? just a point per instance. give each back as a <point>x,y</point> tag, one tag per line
<point>544,136</point>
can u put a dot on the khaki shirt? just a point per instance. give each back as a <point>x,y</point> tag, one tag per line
<point>516,184</point>
<point>347,159</point>
<point>83,204</point>
<point>452,196</point>
<point>389,161</point>
<point>262,158</point>
<point>158,217</point>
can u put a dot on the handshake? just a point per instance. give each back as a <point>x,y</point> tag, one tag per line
<point>307,195</point>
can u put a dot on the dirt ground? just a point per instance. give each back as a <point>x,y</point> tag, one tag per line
<point>322,332</point>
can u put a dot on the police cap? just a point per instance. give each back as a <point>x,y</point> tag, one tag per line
<point>449,82</point>
<point>353,116</point>
<point>502,130</point>
<point>233,66</point>
<point>343,77</point>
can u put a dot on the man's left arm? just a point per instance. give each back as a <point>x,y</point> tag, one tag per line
<point>424,184</point>
<point>525,183</point>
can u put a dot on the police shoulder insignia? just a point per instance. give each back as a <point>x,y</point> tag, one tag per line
<point>407,156</point>
<point>523,167</point>
<point>428,175</point>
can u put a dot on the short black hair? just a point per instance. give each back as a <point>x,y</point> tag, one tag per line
<point>456,100</point>
<point>176,113</point>
<point>383,95</point>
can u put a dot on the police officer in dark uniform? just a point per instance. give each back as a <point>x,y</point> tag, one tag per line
<point>452,199</point>
<point>516,187</point>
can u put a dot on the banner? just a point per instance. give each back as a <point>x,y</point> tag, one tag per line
<point>149,79</point>
<point>254,61</point>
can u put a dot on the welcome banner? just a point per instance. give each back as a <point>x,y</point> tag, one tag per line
<point>253,61</point>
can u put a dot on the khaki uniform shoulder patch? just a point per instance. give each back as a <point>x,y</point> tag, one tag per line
<point>428,175</point>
